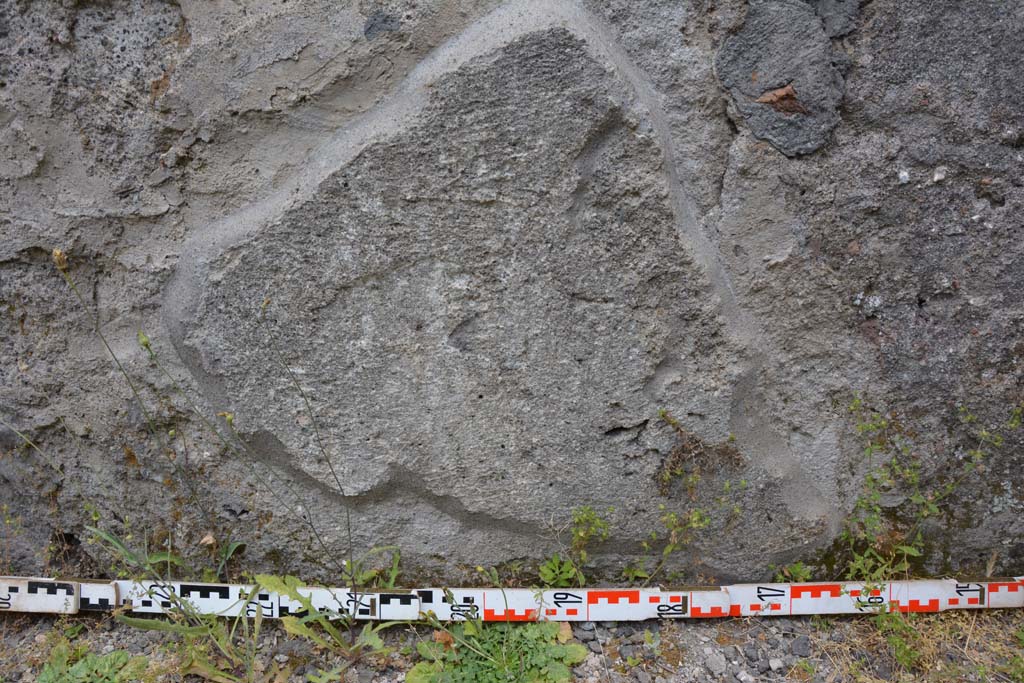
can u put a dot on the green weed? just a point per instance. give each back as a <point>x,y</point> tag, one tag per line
<point>558,573</point>
<point>470,653</point>
<point>880,548</point>
<point>797,572</point>
<point>72,665</point>
<point>678,532</point>
<point>562,570</point>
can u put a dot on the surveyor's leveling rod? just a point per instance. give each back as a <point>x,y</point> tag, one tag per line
<point>53,596</point>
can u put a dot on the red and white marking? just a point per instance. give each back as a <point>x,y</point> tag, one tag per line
<point>20,594</point>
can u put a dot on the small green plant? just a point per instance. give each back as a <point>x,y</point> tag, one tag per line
<point>902,638</point>
<point>358,572</point>
<point>467,652</point>
<point>225,650</point>
<point>587,527</point>
<point>72,665</point>
<point>803,670</point>
<point>881,547</point>
<point>678,532</point>
<point>558,573</point>
<point>797,572</point>
<point>636,570</point>
<point>213,648</point>
<point>320,626</point>
<point>562,570</point>
<point>1014,668</point>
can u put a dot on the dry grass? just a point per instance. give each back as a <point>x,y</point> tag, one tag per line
<point>950,646</point>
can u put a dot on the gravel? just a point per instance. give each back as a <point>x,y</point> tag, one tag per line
<point>700,651</point>
<point>801,646</point>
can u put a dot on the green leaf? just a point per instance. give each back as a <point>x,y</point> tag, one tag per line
<point>120,548</point>
<point>574,653</point>
<point>429,650</point>
<point>282,586</point>
<point>227,553</point>
<point>132,670</point>
<point>165,557</point>
<point>909,550</point>
<point>203,669</point>
<point>332,676</point>
<point>369,638</point>
<point>557,672</point>
<point>294,626</point>
<point>423,672</point>
<point>162,625</point>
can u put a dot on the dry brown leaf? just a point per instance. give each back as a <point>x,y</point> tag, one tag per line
<point>444,638</point>
<point>208,539</point>
<point>564,632</point>
<point>784,100</point>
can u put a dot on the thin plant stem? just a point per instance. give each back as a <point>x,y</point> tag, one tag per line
<point>31,443</point>
<point>138,398</point>
<point>238,445</point>
<point>319,441</point>
<point>304,516</point>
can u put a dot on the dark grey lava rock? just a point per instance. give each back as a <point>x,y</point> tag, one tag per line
<point>781,74</point>
<point>801,646</point>
<point>838,16</point>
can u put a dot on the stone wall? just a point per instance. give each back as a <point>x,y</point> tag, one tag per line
<point>451,264</point>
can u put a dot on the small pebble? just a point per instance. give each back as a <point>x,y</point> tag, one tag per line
<point>801,646</point>
<point>904,176</point>
<point>715,661</point>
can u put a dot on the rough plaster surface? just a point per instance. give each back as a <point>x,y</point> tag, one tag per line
<point>490,242</point>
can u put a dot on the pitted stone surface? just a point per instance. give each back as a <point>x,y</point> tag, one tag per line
<point>491,242</point>
<point>519,300</point>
